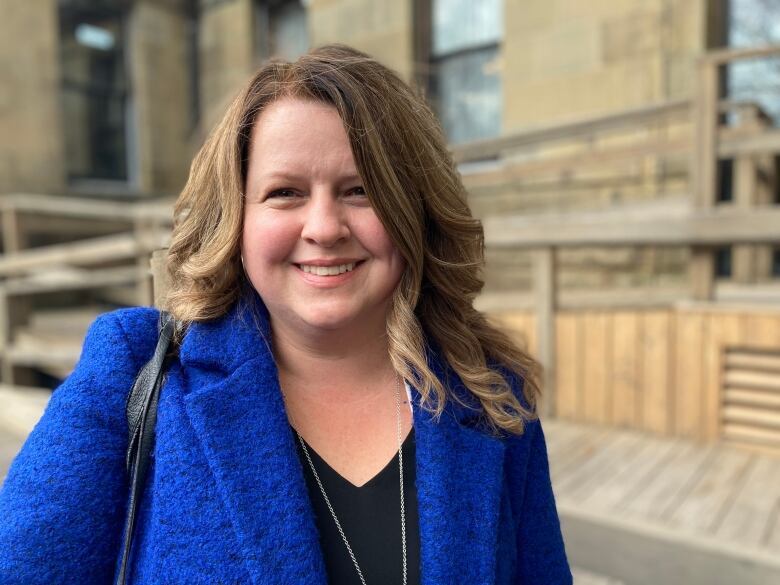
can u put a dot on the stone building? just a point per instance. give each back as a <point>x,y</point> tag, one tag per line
<point>623,155</point>
<point>111,98</point>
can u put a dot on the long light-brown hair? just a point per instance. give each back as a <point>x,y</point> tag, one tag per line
<point>416,191</point>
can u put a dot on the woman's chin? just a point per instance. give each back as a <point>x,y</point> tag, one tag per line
<point>317,319</point>
<point>330,323</point>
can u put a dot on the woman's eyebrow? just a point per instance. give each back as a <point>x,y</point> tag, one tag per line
<point>285,176</point>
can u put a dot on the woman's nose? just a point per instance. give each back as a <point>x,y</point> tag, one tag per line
<point>325,221</point>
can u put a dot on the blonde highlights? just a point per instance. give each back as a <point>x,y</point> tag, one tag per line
<point>416,191</point>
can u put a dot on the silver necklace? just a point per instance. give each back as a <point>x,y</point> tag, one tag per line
<point>401,474</point>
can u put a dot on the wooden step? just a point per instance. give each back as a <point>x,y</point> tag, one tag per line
<point>56,362</point>
<point>75,319</point>
<point>752,435</point>
<point>750,403</point>
<point>752,397</point>
<point>769,362</point>
<point>752,379</point>
<point>71,278</point>
<point>21,408</point>
<point>752,416</point>
<point>52,340</point>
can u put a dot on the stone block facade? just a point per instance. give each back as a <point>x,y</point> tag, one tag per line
<point>558,61</point>
<point>31,151</point>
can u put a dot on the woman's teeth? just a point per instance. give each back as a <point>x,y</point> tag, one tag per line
<point>328,270</point>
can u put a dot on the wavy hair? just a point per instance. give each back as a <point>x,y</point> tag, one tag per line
<point>417,193</point>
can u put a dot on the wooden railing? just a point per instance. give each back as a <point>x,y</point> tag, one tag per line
<point>749,221</point>
<point>586,128</point>
<point>118,260</point>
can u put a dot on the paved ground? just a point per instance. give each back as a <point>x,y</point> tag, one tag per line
<point>583,577</point>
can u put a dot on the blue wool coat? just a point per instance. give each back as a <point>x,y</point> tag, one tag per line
<point>226,500</point>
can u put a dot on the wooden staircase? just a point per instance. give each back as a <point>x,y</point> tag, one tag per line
<point>95,258</point>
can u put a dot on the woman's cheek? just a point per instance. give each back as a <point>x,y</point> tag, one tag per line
<point>268,240</point>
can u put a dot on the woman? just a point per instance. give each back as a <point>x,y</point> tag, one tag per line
<point>338,410</point>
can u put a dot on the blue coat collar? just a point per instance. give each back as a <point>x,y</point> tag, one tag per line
<point>235,405</point>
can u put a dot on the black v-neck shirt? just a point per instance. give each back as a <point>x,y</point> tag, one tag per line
<point>370,516</point>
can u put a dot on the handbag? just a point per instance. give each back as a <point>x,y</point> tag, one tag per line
<point>141,410</point>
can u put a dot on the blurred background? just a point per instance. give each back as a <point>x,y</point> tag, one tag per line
<point>622,154</point>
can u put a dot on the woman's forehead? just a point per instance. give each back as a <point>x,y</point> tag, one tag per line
<point>297,137</point>
<point>290,113</point>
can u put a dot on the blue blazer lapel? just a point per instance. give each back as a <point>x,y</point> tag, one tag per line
<point>236,409</point>
<point>459,487</point>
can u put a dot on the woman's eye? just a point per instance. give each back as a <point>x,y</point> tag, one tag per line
<point>282,194</point>
<point>358,191</point>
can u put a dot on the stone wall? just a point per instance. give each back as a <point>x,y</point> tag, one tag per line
<point>31,148</point>
<point>226,55</point>
<point>382,29</point>
<point>560,61</point>
<point>161,95</point>
<point>567,59</point>
<point>32,137</point>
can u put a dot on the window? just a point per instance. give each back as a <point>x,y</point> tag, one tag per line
<point>94,89</point>
<point>464,83</point>
<point>754,23</point>
<point>725,184</point>
<point>776,263</point>
<point>723,262</point>
<point>281,29</point>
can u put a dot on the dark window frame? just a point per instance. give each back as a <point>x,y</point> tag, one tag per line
<point>723,265</point>
<point>105,167</point>
<point>262,27</point>
<point>427,63</point>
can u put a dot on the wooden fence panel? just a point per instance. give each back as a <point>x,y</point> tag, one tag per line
<point>689,374</point>
<point>658,351</point>
<point>595,379</point>
<point>625,370</point>
<point>519,326</point>
<point>568,358</point>
<point>655,370</point>
<point>761,330</point>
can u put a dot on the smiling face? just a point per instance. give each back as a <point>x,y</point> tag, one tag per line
<point>312,245</point>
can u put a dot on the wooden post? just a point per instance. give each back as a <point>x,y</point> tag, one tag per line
<point>701,273</point>
<point>144,235</point>
<point>704,156</point>
<point>6,368</point>
<point>703,171</point>
<point>13,236</point>
<point>13,311</point>
<point>544,284</point>
<point>160,277</point>
<point>753,183</point>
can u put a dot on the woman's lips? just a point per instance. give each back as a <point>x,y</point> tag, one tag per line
<point>328,281</point>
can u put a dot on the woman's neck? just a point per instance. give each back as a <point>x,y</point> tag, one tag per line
<point>332,365</point>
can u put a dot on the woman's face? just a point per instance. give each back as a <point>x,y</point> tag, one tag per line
<point>312,245</point>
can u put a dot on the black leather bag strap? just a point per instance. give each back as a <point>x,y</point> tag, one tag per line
<point>141,418</point>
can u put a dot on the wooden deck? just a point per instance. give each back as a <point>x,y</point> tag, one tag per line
<point>655,510</point>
